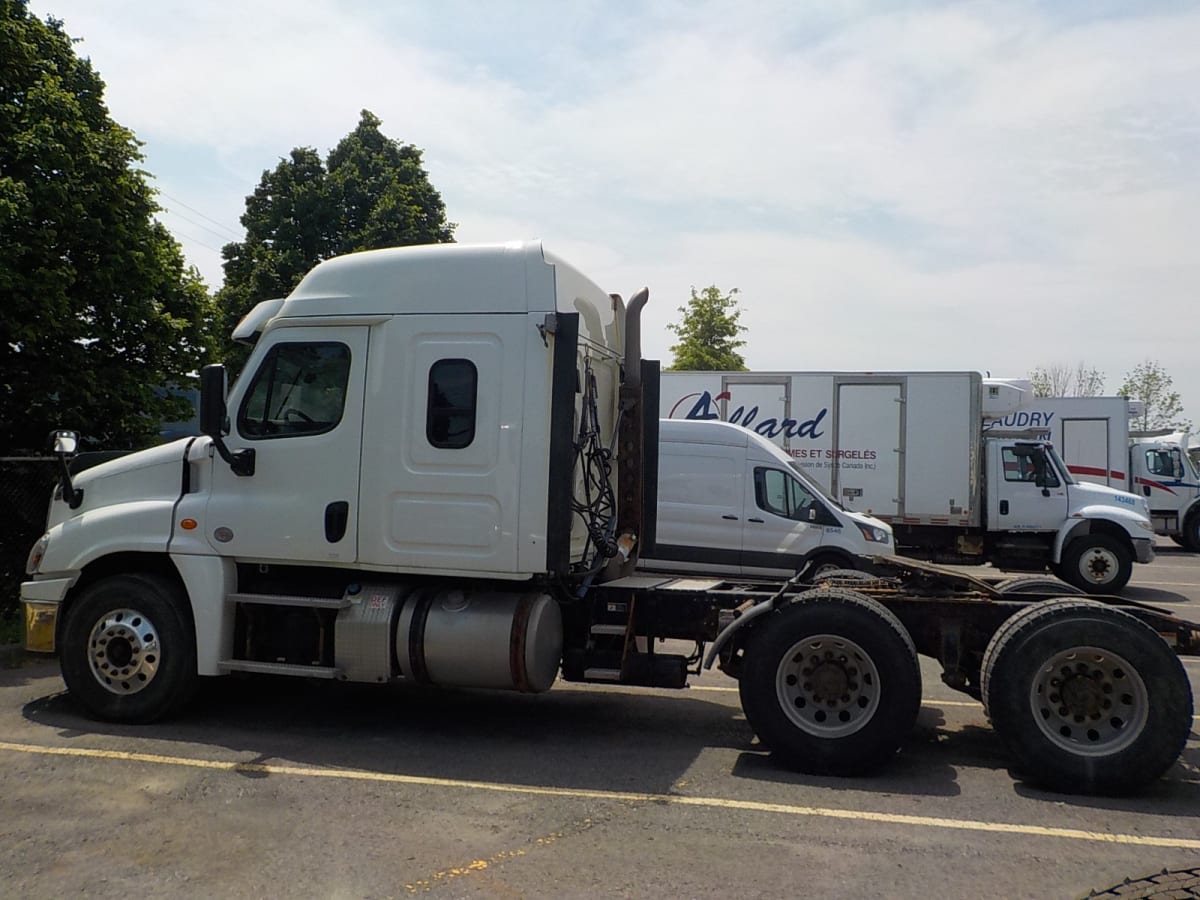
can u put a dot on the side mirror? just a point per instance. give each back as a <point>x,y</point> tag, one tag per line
<point>212,420</point>
<point>212,401</point>
<point>63,444</point>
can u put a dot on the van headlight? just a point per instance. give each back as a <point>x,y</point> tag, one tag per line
<point>873,534</point>
<point>36,554</point>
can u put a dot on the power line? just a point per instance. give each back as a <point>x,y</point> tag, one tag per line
<point>224,228</point>
<point>176,212</point>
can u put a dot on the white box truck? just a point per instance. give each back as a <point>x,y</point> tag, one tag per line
<point>909,448</point>
<point>437,468</point>
<point>1093,437</point>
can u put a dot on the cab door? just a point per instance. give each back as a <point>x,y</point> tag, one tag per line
<point>784,521</point>
<point>1025,492</point>
<point>299,406</point>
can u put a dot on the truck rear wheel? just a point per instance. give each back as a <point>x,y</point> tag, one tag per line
<point>128,654</point>
<point>1096,563</point>
<point>1087,698</point>
<point>830,683</point>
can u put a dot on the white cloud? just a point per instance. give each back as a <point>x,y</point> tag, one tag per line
<point>985,186</point>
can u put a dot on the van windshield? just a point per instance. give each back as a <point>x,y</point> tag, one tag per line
<point>813,487</point>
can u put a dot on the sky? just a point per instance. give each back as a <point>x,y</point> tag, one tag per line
<point>889,186</point>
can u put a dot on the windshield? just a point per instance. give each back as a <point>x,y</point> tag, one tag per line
<point>1061,466</point>
<point>813,486</point>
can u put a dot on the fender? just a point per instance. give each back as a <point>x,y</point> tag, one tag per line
<point>1081,522</point>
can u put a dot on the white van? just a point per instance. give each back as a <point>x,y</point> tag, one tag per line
<point>731,502</point>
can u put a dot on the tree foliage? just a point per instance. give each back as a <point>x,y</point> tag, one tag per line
<point>98,309</point>
<point>708,332</point>
<point>370,192</point>
<point>1060,380</point>
<point>1149,382</point>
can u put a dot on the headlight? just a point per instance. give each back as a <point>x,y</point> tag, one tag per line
<point>873,534</point>
<point>1146,525</point>
<point>36,554</point>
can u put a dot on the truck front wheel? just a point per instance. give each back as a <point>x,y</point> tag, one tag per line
<point>830,683</point>
<point>1086,697</point>
<point>1096,563</point>
<point>1191,533</point>
<point>128,654</point>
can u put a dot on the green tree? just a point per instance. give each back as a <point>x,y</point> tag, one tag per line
<point>1059,380</point>
<point>98,309</point>
<point>370,192</point>
<point>1149,382</point>
<point>708,332</point>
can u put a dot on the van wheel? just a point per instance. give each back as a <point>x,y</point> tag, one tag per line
<point>830,683</point>
<point>824,566</point>
<point>1096,563</point>
<point>128,652</point>
<point>1086,697</point>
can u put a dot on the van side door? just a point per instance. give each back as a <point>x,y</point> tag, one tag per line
<point>700,507</point>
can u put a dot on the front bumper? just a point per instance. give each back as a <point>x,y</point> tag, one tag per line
<point>1143,549</point>
<point>42,600</point>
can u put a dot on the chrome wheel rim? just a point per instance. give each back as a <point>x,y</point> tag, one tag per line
<point>827,686</point>
<point>123,651</point>
<point>1089,701</point>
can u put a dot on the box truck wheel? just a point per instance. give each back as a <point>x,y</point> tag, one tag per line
<point>1097,563</point>
<point>830,683</point>
<point>1191,532</point>
<point>1086,697</point>
<point>128,654</point>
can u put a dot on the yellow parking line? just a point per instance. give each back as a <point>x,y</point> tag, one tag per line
<point>1073,834</point>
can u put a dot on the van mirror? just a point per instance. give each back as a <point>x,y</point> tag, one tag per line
<point>64,443</point>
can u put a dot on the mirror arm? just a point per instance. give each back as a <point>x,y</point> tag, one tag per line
<point>70,494</point>
<point>241,462</point>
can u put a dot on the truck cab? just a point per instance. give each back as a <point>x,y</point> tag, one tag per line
<point>1094,533</point>
<point>1163,471</point>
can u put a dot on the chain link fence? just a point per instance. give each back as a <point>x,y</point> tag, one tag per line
<point>26,483</point>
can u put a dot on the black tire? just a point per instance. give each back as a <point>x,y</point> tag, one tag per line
<point>1191,532</point>
<point>1036,584</point>
<point>1096,563</point>
<point>128,649</point>
<point>823,565</point>
<point>1087,698</point>
<point>1179,541</point>
<point>853,710</point>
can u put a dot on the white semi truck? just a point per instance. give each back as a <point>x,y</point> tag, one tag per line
<point>1093,436</point>
<point>438,468</point>
<point>909,448</point>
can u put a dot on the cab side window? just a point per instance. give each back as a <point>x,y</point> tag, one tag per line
<point>776,492</point>
<point>1163,462</point>
<point>1028,464</point>
<point>450,413</point>
<point>299,389</point>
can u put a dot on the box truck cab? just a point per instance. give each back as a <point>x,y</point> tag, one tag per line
<point>1034,503</point>
<point>1162,470</point>
<point>730,501</point>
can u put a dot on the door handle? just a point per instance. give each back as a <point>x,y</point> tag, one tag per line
<point>337,515</point>
<point>757,521</point>
<point>1004,507</point>
<point>730,518</point>
<point>1146,489</point>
